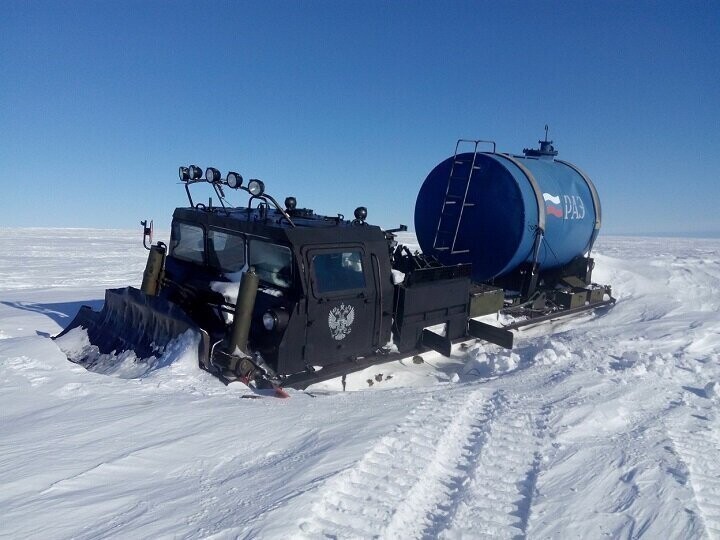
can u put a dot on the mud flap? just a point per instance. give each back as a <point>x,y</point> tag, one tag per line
<point>132,320</point>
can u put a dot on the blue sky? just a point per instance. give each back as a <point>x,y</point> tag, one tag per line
<point>352,103</point>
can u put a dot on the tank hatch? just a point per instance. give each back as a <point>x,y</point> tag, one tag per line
<point>546,148</point>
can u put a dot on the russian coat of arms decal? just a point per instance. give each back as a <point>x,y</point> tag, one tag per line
<point>340,320</point>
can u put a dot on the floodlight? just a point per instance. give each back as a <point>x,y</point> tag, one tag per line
<point>256,187</point>
<point>212,175</point>
<point>195,172</point>
<point>234,180</point>
<point>184,174</point>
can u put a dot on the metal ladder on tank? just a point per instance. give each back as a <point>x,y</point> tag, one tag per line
<point>454,205</point>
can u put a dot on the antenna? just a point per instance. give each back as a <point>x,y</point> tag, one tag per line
<point>546,132</point>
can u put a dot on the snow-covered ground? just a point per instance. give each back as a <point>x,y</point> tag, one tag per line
<point>608,425</point>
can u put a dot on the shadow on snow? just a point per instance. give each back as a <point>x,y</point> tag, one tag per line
<point>60,312</point>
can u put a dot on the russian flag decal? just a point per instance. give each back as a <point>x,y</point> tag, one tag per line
<point>552,205</point>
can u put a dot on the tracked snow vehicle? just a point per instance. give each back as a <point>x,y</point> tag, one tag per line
<point>279,296</point>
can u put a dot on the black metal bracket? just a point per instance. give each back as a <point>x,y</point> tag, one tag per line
<point>493,334</point>
<point>147,233</point>
<point>436,342</point>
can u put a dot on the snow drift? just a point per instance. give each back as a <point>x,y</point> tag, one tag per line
<point>604,425</point>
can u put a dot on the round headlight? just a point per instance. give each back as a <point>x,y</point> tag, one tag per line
<point>212,175</point>
<point>269,320</point>
<point>256,187</point>
<point>234,180</point>
<point>184,173</point>
<point>195,172</point>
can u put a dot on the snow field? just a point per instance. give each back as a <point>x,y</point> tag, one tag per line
<point>605,425</point>
<point>399,487</point>
<point>697,445</point>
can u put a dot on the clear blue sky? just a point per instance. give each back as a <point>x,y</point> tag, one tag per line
<point>353,102</point>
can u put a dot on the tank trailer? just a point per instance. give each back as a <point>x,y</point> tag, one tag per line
<point>280,296</point>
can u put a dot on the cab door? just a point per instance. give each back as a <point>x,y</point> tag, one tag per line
<point>341,306</point>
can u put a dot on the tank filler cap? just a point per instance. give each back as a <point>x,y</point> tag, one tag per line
<point>546,148</point>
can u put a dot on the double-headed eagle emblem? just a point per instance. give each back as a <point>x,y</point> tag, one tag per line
<point>340,320</point>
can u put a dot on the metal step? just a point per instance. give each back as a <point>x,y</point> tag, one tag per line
<point>454,199</point>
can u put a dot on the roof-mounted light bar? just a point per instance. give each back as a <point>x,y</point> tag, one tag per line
<point>256,188</point>
<point>234,180</point>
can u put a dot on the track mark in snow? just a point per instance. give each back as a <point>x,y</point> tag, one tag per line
<point>699,450</point>
<point>410,480</point>
<point>500,490</point>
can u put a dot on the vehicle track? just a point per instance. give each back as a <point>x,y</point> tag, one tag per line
<point>496,500</point>
<point>698,447</point>
<point>410,479</point>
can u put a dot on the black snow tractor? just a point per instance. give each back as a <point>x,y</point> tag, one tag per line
<point>278,296</point>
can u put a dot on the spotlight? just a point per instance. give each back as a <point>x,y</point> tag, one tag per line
<point>212,175</point>
<point>184,173</point>
<point>361,213</point>
<point>234,180</point>
<point>256,187</point>
<point>195,172</point>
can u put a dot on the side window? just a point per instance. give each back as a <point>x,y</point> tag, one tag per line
<point>272,262</point>
<point>226,251</point>
<point>338,271</point>
<point>187,242</point>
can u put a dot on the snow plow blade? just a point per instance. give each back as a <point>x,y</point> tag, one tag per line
<point>132,320</point>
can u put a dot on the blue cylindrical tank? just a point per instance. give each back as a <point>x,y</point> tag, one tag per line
<point>514,209</point>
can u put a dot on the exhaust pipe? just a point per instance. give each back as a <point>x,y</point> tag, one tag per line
<point>153,270</point>
<point>243,311</point>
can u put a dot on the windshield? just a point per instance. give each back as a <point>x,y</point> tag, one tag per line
<point>226,251</point>
<point>272,262</point>
<point>187,242</point>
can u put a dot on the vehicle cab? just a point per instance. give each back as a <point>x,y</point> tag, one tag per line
<point>325,292</point>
